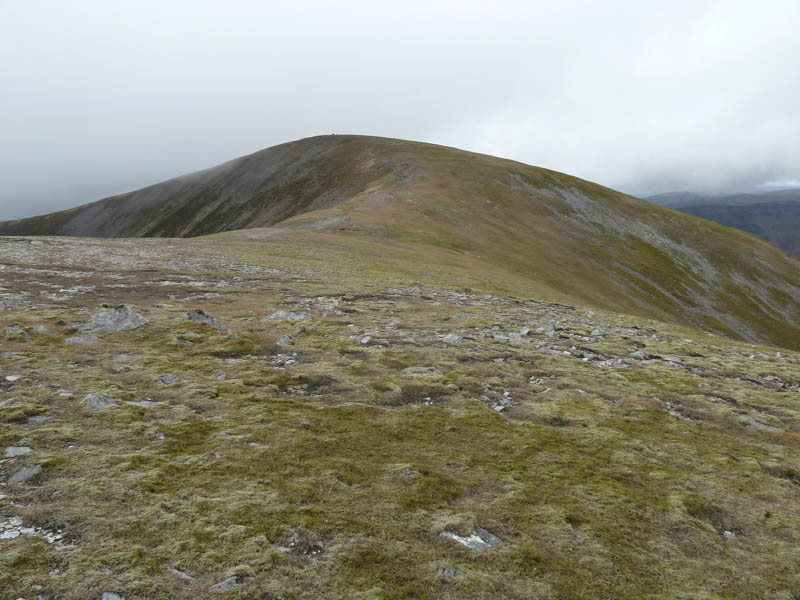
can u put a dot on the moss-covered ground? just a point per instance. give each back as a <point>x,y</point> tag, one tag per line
<point>615,457</point>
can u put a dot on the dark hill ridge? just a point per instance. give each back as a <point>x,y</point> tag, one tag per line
<point>536,232</point>
<point>774,216</point>
<point>257,190</point>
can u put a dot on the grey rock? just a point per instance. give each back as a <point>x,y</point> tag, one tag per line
<point>127,357</point>
<point>480,540</point>
<point>304,542</point>
<point>121,318</point>
<point>422,372</point>
<point>600,331</point>
<point>200,316</point>
<point>83,339</point>
<point>168,379</point>
<point>13,451</point>
<point>284,340</point>
<point>448,573</point>
<point>140,403</point>
<point>40,419</point>
<point>225,585</point>
<point>16,333</point>
<point>98,402</point>
<point>111,596</point>
<point>638,355</point>
<point>13,378</point>
<point>25,474</point>
<point>180,574</point>
<point>451,338</point>
<point>283,315</point>
<point>41,330</point>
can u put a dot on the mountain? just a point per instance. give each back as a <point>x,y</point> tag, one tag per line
<point>535,231</point>
<point>407,387</point>
<point>774,216</point>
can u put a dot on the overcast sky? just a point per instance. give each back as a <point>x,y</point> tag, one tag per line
<point>97,98</point>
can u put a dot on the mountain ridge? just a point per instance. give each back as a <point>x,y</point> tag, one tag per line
<point>546,233</point>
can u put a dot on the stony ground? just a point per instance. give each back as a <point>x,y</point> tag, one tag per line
<point>328,428</point>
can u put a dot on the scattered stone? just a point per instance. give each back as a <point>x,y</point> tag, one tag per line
<point>180,574</point>
<point>40,419</point>
<point>225,585</point>
<point>303,542</point>
<point>524,331</point>
<point>15,333</point>
<point>200,316</point>
<point>480,540</point>
<point>168,379</point>
<point>13,378</point>
<point>41,330</point>
<point>127,357</point>
<point>284,340</point>
<point>121,318</point>
<point>98,402</point>
<point>600,331</point>
<point>451,338</point>
<point>13,451</point>
<point>366,339</point>
<point>283,315</point>
<point>448,573</point>
<point>111,596</point>
<point>83,339</point>
<point>25,474</point>
<point>140,403</point>
<point>422,372</point>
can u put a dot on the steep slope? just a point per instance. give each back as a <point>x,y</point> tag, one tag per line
<point>531,230</point>
<point>774,216</point>
<point>252,191</point>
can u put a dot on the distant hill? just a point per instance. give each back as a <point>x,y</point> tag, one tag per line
<point>774,216</point>
<point>540,232</point>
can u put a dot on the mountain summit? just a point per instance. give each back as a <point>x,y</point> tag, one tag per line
<point>537,231</point>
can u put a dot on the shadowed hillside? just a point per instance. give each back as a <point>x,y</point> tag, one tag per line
<point>537,231</point>
<point>774,216</point>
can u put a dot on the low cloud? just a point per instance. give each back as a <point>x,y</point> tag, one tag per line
<point>100,98</point>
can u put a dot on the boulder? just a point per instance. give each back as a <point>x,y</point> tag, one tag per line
<point>200,316</point>
<point>121,318</point>
<point>225,585</point>
<point>15,333</point>
<point>480,540</point>
<point>83,339</point>
<point>13,451</point>
<point>25,474</point>
<point>98,402</point>
<point>41,330</point>
<point>283,315</point>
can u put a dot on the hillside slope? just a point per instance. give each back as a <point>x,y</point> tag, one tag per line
<point>536,231</point>
<point>774,216</point>
<point>370,430</point>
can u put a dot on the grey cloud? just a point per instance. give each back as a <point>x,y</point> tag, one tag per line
<point>100,98</point>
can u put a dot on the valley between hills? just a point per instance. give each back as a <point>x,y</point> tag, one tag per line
<point>353,367</point>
